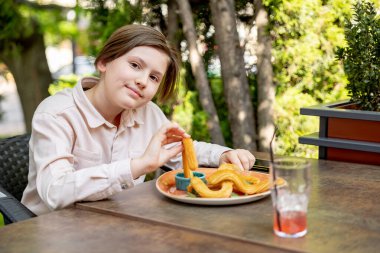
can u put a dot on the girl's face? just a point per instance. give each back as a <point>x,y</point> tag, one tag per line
<point>133,79</point>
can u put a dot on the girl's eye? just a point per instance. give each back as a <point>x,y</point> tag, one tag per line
<point>154,78</point>
<point>135,65</point>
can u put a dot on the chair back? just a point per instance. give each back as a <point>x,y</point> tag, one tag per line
<point>14,164</point>
<point>14,168</point>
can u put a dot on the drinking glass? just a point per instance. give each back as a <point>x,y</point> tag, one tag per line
<point>290,196</point>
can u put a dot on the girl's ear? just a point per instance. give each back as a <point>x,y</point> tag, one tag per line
<point>101,66</point>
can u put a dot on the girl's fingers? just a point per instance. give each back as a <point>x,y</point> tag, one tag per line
<point>241,157</point>
<point>232,157</point>
<point>176,130</point>
<point>244,161</point>
<point>172,132</point>
<point>246,158</point>
<point>173,151</point>
<point>171,139</point>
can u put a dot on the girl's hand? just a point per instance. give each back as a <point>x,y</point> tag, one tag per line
<point>156,154</point>
<point>241,157</point>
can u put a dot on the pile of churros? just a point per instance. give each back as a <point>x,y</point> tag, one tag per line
<point>226,179</point>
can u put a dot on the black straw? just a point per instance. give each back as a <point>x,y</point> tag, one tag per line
<point>274,178</point>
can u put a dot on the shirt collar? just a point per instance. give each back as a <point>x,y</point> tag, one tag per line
<point>94,119</point>
<point>131,117</point>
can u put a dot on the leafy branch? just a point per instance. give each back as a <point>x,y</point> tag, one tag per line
<point>361,57</point>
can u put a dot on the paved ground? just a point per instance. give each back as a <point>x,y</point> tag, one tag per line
<point>12,122</point>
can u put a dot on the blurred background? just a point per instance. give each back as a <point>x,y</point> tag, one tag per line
<point>246,65</point>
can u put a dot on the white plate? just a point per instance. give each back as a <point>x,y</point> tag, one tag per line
<point>181,196</point>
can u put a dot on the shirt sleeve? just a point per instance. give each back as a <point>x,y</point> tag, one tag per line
<point>58,183</point>
<point>209,154</point>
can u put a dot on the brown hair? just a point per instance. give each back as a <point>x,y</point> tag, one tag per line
<point>128,37</point>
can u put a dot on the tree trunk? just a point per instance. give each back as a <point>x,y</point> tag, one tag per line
<point>173,31</point>
<point>236,88</point>
<point>198,69</point>
<point>266,91</point>
<point>31,72</point>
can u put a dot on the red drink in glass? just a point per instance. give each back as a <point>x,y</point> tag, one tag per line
<point>292,224</point>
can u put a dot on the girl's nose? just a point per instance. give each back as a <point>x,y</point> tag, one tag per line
<point>142,80</point>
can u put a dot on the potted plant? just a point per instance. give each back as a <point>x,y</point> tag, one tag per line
<point>350,130</point>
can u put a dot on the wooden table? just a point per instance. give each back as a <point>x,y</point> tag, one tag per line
<point>344,212</point>
<point>344,216</point>
<point>74,230</point>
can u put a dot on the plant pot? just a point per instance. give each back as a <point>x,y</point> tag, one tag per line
<point>345,133</point>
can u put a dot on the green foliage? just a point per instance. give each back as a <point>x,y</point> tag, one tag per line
<point>1,220</point>
<point>54,25</point>
<point>19,20</point>
<point>291,124</point>
<point>13,26</point>
<point>188,113</point>
<point>361,57</point>
<point>9,19</point>
<point>105,19</point>
<point>63,82</point>
<point>305,36</point>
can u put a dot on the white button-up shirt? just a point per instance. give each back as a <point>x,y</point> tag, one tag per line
<point>75,154</point>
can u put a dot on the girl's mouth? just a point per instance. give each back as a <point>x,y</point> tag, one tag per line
<point>134,91</point>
